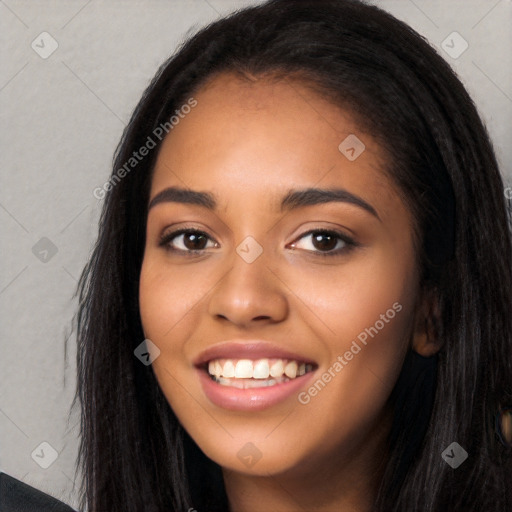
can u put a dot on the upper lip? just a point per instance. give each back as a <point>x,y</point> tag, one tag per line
<point>248,349</point>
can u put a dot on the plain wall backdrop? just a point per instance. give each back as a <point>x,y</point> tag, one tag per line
<point>72,72</point>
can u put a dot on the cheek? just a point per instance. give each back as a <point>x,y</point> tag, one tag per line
<point>365,317</point>
<point>168,300</point>
<point>167,296</point>
<point>347,399</point>
<point>171,299</point>
<point>373,292</point>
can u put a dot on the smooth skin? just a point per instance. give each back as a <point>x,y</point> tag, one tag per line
<point>248,142</point>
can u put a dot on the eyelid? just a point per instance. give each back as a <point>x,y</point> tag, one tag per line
<point>349,242</point>
<point>168,236</point>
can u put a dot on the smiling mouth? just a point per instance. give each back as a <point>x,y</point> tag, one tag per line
<point>257,373</point>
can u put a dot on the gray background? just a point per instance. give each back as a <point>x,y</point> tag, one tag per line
<point>61,118</point>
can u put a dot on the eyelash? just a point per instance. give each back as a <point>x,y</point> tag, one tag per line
<point>350,244</point>
<point>165,241</point>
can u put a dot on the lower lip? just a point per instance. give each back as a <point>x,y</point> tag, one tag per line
<point>253,399</point>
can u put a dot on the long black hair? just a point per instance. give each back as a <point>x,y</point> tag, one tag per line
<point>134,454</point>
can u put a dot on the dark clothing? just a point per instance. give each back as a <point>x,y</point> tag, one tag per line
<point>16,496</point>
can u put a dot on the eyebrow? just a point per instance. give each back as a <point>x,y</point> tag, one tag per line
<point>311,196</point>
<point>292,200</point>
<point>183,195</point>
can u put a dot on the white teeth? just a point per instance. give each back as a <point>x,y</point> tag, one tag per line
<point>277,369</point>
<point>217,369</point>
<point>243,369</point>
<point>247,383</point>
<point>290,370</point>
<point>265,370</point>
<point>229,369</point>
<point>261,369</point>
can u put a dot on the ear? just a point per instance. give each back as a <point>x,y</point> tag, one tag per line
<point>426,340</point>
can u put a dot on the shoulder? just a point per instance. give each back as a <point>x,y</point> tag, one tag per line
<point>16,496</point>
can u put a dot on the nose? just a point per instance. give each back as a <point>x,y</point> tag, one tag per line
<point>249,294</point>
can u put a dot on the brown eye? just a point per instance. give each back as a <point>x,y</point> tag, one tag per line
<point>187,241</point>
<point>194,241</point>
<point>324,241</point>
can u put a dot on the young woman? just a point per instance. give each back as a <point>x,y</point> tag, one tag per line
<point>301,294</point>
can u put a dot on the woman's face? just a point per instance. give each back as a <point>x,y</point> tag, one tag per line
<point>281,278</point>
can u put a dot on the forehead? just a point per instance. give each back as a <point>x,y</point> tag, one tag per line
<point>264,135</point>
